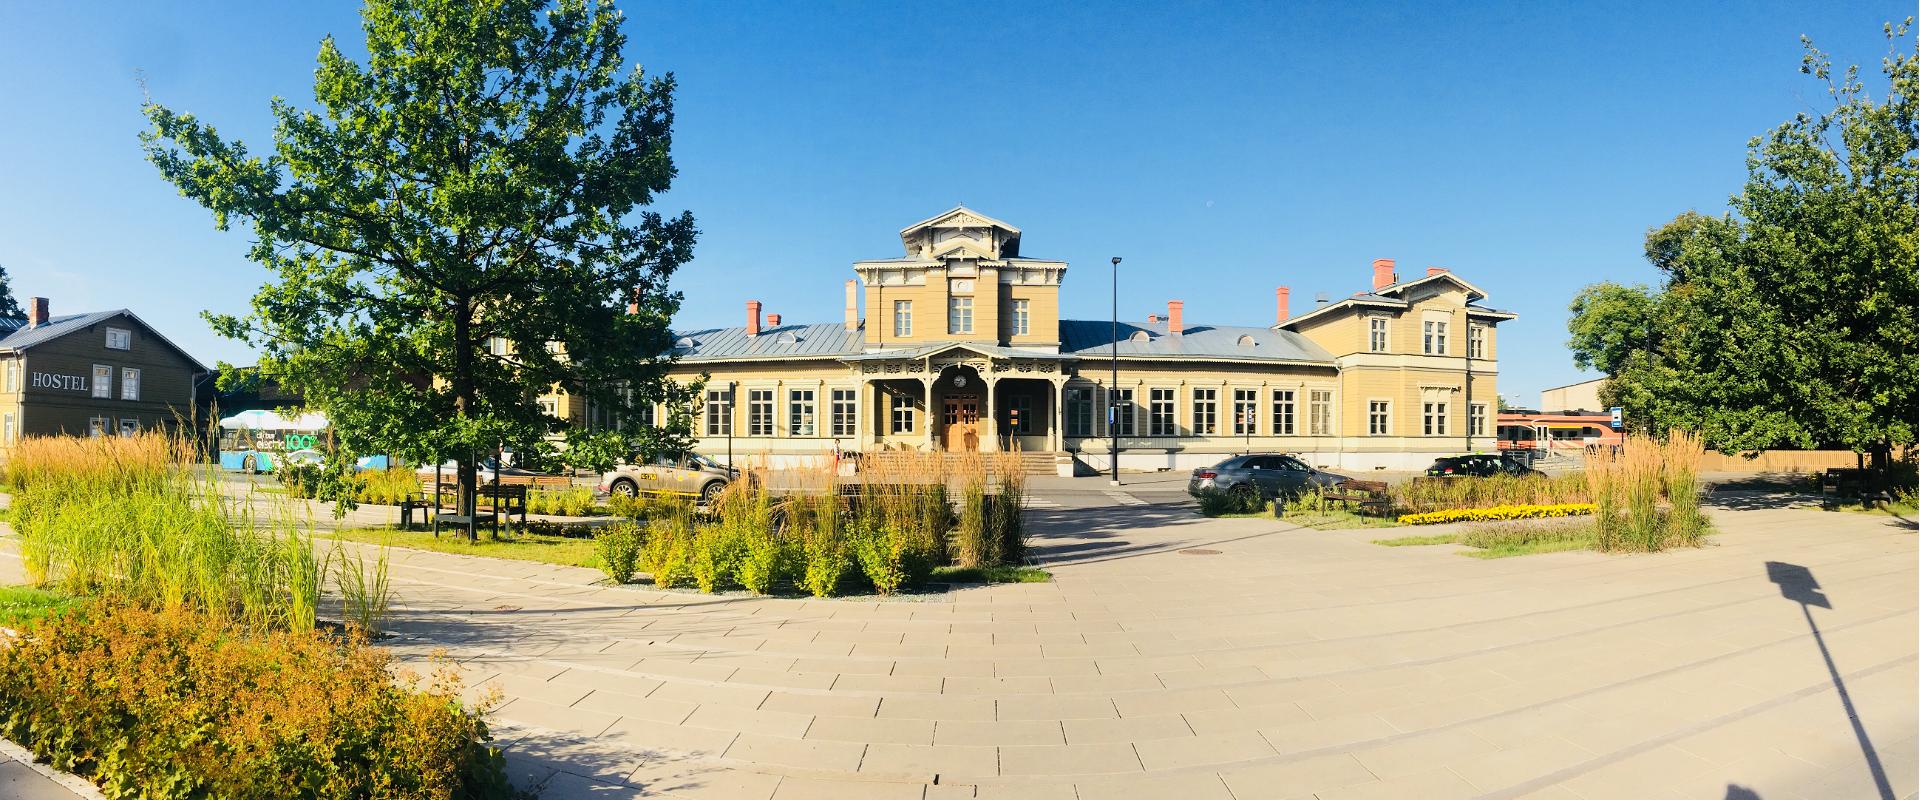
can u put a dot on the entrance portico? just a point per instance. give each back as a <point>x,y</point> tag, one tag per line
<point>970,398</point>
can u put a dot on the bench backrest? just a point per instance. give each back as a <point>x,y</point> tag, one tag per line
<point>552,481</point>
<point>1371,487</point>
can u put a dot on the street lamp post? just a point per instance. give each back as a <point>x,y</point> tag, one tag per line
<point>1113,389</point>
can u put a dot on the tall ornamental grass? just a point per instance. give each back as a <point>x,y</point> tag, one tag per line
<point>1682,453</point>
<point>130,517</point>
<point>1009,510</point>
<point>1646,493</point>
<point>1423,495</point>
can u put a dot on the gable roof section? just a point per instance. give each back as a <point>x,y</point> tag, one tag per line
<point>935,219</point>
<point>20,337</point>
<point>1362,299</point>
<point>1473,292</point>
<point>826,340</point>
<point>1089,338</point>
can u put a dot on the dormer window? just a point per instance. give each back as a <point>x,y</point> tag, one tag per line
<point>1245,341</point>
<point>119,339</point>
<point>1141,336</point>
<point>786,338</point>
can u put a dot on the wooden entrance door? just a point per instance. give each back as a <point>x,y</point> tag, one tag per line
<point>961,419</point>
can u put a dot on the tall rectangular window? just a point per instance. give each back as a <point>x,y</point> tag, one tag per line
<point>129,427</point>
<point>1377,334</point>
<point>1206,412</point>
<point>1019,324</point>
<point>1283,412</point>
<point>10,427</point>
<point>719,412</point>
<point>119,339</point>
<point>1160,414</point>
<point>901,412</point>
<point>846,404</point>
<point>800,420</point>
<point>1433,419</point>
<point>1433,340</point>
<point>1477,419</point>
<point>902,318</point>
<point>129,383</point>
<point>959,315</point>
<point>1320,413</point>
<point>1246,411</point>
<point>1476,341</point>
<point>1122,412</point>
<point>759,412</point>
<point>1020,414</point>
<point>13,375</point>
<point>97,426</point>
<point>1378,421</point>
<point>102,381</point>
<point>1079,412</point>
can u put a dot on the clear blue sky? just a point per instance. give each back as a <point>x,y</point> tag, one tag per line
<point>1222,150</point>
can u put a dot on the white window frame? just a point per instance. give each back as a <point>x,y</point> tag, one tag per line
<point>760,412</point>
<point>10,426</point>
<point>130,383</point>
<point>1020,317</point>
<point>803,418</point>
<point>1320,412</point>
<point>1124,413</point>
<point>900,413</point>
<point>125,337</point>
<point>1433,417</point>
<point>129,427</point>
<point>1476,341</point>
<point>549,406</point>
<point>13,375</point>
<point>902,318</point>
<point>102,387</point>
<point>1204,411</point>
<point>1379,337</point>
<point>959,315</point>
<point>98,427</point>
<point>1285,406</point>
<point>1246,411</point>
<point>843,411</point>
<point>1476,419</point>
<point>719,412</point>
<point>1159,424</point>
<point>1379,417</point>
<point>1433,337</point>
<point>1079,411</point>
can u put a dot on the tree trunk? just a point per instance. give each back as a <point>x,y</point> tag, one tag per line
<point>463,407</point>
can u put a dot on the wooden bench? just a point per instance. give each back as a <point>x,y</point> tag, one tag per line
<point>1370,496</point>
<point>497,499</point>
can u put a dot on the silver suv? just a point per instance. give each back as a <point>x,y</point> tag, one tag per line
<point>693,475</point>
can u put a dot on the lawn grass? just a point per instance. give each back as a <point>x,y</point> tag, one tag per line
<point>1510,538</point>
<point>996,574</point>
<point>23,604</point>
<point>569,551</point>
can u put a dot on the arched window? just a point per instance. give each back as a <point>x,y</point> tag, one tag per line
<point>1245,341</point>
<point>1141,336</point>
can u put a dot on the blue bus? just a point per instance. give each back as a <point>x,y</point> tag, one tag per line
<point>258,441</point>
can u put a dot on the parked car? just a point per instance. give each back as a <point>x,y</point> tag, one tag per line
<point>1478,466</point>
<point>692,475</point>
<point>1266,476</point>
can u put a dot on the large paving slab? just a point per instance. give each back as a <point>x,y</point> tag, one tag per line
<point>1175,656</point>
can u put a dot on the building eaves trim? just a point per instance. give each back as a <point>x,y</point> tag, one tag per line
<point>1343,303</point>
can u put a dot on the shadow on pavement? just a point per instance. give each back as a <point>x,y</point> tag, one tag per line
<point>1086,535</point>
<point>1798,584</point>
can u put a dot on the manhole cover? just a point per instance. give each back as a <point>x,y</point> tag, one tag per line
<point>1200,551</point>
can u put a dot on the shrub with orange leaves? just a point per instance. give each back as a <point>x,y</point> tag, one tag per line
<point>177,704</point>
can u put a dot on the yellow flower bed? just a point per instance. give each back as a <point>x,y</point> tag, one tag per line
<point>1497,513</point>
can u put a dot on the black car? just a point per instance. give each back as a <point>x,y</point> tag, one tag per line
<point>1478,466</point>
<point>1265,476</point>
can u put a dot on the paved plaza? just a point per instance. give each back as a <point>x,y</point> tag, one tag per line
<point>1181,657</point>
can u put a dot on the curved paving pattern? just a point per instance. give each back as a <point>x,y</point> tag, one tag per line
<point>1290,664</point>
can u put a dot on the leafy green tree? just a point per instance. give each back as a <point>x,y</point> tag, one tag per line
<point>1790,321</point>
<point>457,228</point>
<point>9,307</point>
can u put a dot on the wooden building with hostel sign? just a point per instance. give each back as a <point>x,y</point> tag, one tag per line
<point>102,373</point>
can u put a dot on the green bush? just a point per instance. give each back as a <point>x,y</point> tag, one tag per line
<point>573,502</point>
<point>1216,502</point>
<point>972,537</point>
<point>820,524</point>
<point>768,561</point>
<point>668,553</point>
<point>877,550</point>
<point>386,487</point>
<point>165,705</point>
<point>618,547</point>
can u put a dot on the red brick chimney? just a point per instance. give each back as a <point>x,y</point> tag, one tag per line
<point>1279,305</point>
<point>36,312</point>
<point>753,318</point>
<point>853,306</point>
<point>1173,317</point>
<point>773,320</point>
<point>1382,273</point>
<point>1432,271</point>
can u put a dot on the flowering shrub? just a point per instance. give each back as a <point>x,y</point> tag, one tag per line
<point>1497,513</point>
<point>179,704</point>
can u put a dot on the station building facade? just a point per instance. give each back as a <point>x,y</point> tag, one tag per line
<point>958,345</point>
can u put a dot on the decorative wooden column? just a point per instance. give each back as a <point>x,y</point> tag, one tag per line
<point>926,389</point>
<point>990,440</point>
<point>1057,438</point>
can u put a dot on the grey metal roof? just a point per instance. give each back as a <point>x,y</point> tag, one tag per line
<point>786,341</point>
<point>1088,338</point>
<point>21,337</point>
<point>936,347</point>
